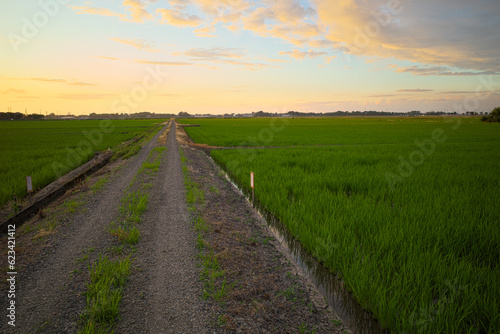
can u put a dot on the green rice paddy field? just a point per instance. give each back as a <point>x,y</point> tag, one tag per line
<point>46,149</point>
<point>405,210</point>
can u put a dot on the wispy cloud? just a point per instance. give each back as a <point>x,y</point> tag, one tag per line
<point>300,55</point>
<point>140,44</point>
<point>97,11</point>
<point>247,65</point>
<point>205,32</point>
<point>439,70</point>
<point>275,60</point>
<point>417,90</point>
<point>60,81</point>
<point>165,63</point>
<point>228,56</point>
<point>215,53</point>
<point>13,91</point>
<point>109,58</point>
<point>462,92</point>
<point>83,96</point>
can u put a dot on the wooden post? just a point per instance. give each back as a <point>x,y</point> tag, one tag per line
<point>29,188</point>
<point>252,184</point>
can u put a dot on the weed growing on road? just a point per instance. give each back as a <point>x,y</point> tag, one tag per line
<point>289,294</point>
<point>134,203</point>
<point>70,206</point>
<point>213,277</point>
<point>221,320</point>
<point>133,236</point>
<point>304,329</point>
<point>99,184</point>
<point>104,293</point>
<point>127,151</point>
<point>126,236</point>
<point>214,189</point>
<point>85,255</point>
<point>194,194</point>
<point>108,278</point>
<point>200,225</point>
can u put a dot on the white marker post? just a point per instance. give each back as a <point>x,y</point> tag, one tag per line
<point>29,186</point>
<point>252,184</point>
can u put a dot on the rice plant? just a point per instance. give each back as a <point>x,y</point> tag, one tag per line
<point>46,150</point>
<point>422,253</point>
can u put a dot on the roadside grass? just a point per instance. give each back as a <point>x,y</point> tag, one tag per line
<point>126,152</point>
<point>212,276</point>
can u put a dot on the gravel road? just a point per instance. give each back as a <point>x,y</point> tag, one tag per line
<point>48,299</point>
<point>164,295</point>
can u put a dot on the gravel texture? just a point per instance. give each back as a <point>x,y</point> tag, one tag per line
<point>164,294</point>
<point>48,297</point>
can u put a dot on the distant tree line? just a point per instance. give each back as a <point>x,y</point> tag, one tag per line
<point>494,116</point>
<point>21,116</point>
<point>368,113</point>
<point>144,114</point>
<point>18,115</point>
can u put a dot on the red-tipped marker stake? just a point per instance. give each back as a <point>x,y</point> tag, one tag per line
<point>252,184</point>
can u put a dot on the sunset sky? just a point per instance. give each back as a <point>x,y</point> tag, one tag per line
<point>238,56</point>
